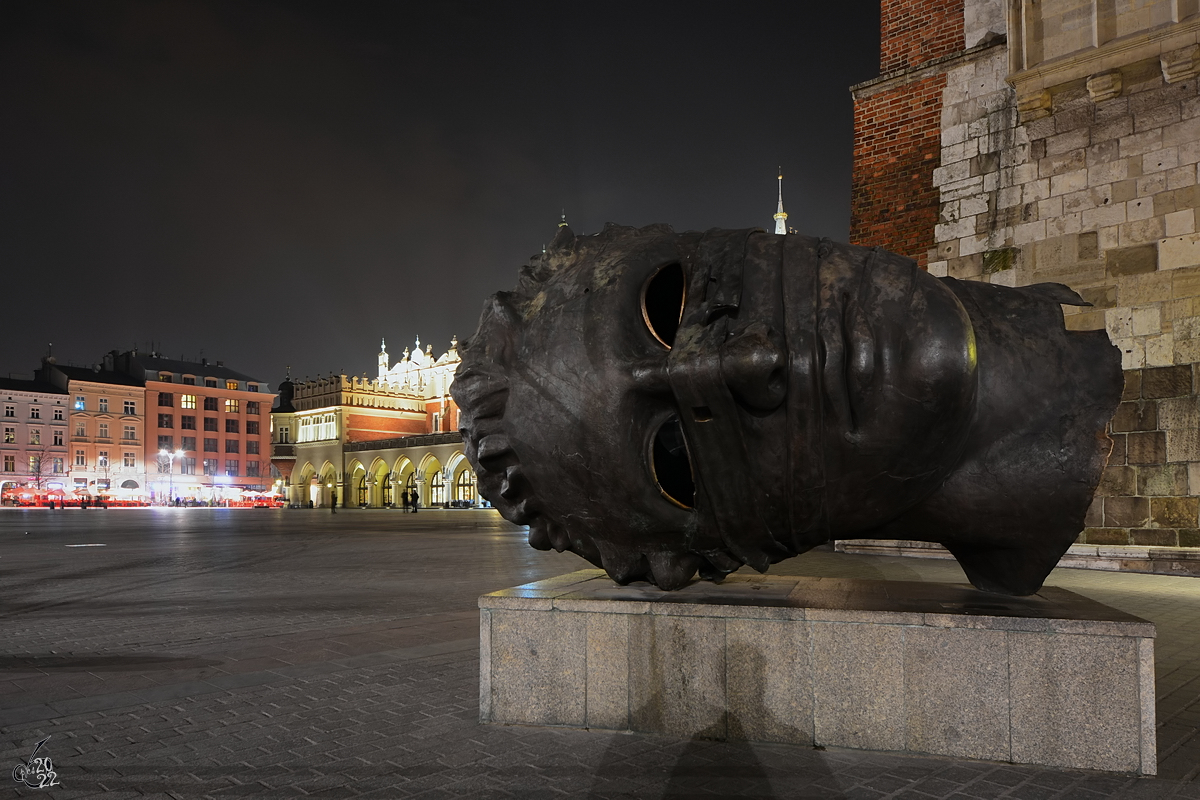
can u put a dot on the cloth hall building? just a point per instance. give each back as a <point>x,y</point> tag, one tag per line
<point>363,442</point>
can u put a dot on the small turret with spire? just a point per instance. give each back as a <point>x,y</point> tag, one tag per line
<point>563,224</point>
<point>780,214</point>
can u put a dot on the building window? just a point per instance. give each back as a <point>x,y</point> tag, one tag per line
<point>231,467</point>
<point>35,412</point>
<point>80,403</point>
<point>465,486</point>
<point>285,435</point>
<point>189,380</point>
<point>437,489</point>
<point>102,460</point>
<point>164,464</point>
<point>231,426</point>
<point>130,408</point>
<point>252,446</point>
<point>437,420</point>
<point>251,387</point>
<point>166,442</point>
<point>165,377</point>
<point>252,407</point>
<point>231,385</point>
<point>231,445</point>
<point>232,406</point>
<point>80,428</point>
<point>130,460</point>
<point>252,427</point>
<point>35,436</point>
<point>187,422</point>
<point>166,420</point>
<point>35,465</point>
<point>103,430</point>
<point>10,463</point>
<point>80,458</point>
<point>58,466</point>
<point>187,466</point>
<point>166,399</point>
<point>187,401</point>
<point>210,446</point>
<point>58,438</point>
<point>251,469</point>
<point>10,411</point>
<point>187,443</point>
<point>10,435</point>
<point>210,404</point>
<point>210,382</point>
<point>104,404</point>
<point>58,415</point>
<point>210,423</point>
<point>130,432</point>
<point>210,466</point>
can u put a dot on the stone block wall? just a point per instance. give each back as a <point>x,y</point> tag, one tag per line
<point>1069,159</point>
<point>1148,495</point>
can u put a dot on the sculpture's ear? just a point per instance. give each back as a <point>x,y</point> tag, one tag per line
<point>1058,293</point>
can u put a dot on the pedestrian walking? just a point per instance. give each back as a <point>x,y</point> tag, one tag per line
<point>416,501</point>
<point>333,502</point>
<point>404,500</point>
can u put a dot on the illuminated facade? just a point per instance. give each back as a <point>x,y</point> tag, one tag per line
<point>361,441</point>
<point>208,430</point>
<point>33,450</point>
<point>106,431</point>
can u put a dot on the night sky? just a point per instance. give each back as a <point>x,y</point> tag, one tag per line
<point>284,183</point>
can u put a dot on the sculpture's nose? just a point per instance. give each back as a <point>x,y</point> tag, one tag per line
<point>753,364</point>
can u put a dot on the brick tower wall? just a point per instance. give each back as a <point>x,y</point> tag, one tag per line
<point>897,128</point>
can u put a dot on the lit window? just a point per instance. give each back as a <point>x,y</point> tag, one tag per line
<point>35,465</point>
<point>80,404</point>
<point>102,460</point>
<point>58,466</point>
<point>164,377</point>
<point>232,406</point>
<point>231,385</point>
<point>187,401</point>
<point>10,435</point>
<point>35,436</point>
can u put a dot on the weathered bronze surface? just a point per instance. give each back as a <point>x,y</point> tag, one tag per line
<point>670,403</point>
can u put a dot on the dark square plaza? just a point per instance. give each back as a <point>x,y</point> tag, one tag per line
<point>183,652</point>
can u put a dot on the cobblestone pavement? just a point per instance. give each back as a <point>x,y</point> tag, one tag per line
<point>212,652</point>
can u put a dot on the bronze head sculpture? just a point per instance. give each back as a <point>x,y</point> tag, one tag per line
<point>667,403</point>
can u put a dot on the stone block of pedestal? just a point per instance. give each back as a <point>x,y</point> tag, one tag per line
<point>1054,679</point>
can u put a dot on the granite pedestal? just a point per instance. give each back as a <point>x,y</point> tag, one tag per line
<point>1054,679</point>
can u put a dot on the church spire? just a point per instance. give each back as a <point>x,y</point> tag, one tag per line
<point>781,215</point>
<point>563,224</point>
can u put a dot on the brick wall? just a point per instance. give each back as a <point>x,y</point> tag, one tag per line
<point>913,32</point>
<point>894,203</point>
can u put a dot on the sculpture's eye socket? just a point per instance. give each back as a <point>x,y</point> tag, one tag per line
<point>662,303</point>
<point>672,469</point>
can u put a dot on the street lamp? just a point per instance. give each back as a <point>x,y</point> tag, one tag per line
<point>170,457</point>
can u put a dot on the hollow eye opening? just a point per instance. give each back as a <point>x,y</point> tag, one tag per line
<point>670,464</point>
<point>662,303</point>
